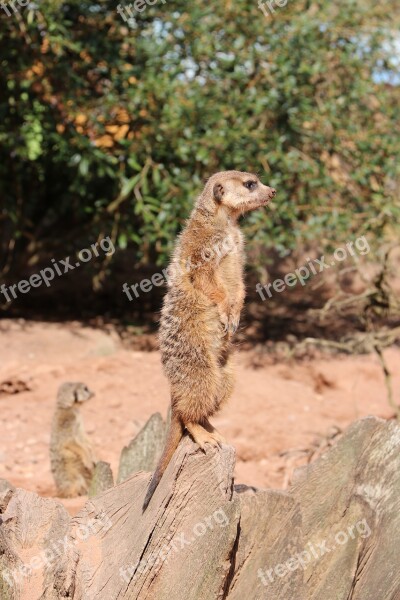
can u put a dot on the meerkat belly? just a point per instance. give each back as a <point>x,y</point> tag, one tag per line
<point>190,332</point>
<point>232,276</point>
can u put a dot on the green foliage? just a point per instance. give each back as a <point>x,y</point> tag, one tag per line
<point>110,128</point>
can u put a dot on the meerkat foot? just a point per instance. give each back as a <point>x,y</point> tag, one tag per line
<point>211,429</point>
<point>201,436</point>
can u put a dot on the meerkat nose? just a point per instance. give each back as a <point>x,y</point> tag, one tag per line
<point>273,192</point>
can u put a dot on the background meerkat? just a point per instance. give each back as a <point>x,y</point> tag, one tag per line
<point>202,307</point>
<point>71,454</point>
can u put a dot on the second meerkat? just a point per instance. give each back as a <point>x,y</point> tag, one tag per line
<point>202,308</point>
<point>71,454</point>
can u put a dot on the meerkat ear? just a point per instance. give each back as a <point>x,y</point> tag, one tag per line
<point>218,192</point>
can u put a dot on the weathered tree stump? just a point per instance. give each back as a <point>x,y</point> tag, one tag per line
<point>5,485</point>
<point>144,450</point>
<point>332,536</point>
<point>102,479</point>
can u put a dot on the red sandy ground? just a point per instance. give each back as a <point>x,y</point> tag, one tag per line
<point>276,414</point>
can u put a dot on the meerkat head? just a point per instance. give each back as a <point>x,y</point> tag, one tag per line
<point>71,394</point>
<point>236,191</point>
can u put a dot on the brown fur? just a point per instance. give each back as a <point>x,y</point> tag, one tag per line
<point>202,308</point>
<point>71,455</point>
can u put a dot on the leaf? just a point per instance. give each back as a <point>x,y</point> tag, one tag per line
<point>128,185</point>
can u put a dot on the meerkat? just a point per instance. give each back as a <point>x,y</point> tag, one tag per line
<point>71,454</point>
<point>201,309</point>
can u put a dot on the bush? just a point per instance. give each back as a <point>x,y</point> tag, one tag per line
<point>109,128</point>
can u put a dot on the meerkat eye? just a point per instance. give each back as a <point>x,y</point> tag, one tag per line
<point>250,185</point>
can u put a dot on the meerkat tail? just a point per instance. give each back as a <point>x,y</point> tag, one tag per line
<point>175,434</point>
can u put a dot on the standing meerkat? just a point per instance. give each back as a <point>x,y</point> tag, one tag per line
<point>71,455</point>
<point>201,309</point>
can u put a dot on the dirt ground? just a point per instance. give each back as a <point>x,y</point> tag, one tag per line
<point>280,415</point>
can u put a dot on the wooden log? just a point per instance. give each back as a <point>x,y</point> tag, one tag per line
<point>144,450</point>
<point>102,479</point>
<point>332,536</point>
<point>33,532</point>
<point>5,485</point>
<point>350,499</point>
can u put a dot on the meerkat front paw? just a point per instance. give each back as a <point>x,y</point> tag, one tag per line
<point>223,311</point>
<point>229,319</point>
<point>234,320</point>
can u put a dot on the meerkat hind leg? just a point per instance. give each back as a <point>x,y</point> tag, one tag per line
<point>211,429</point>
<point>201,436</point>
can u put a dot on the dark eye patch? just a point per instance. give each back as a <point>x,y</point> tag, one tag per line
<point>250,185</point>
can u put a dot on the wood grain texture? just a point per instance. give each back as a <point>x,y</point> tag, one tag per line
<point>102,479</point>
<point>144,450</point>
<point>332,536</point>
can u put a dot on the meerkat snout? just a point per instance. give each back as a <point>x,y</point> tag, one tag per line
<point>82,393</point>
